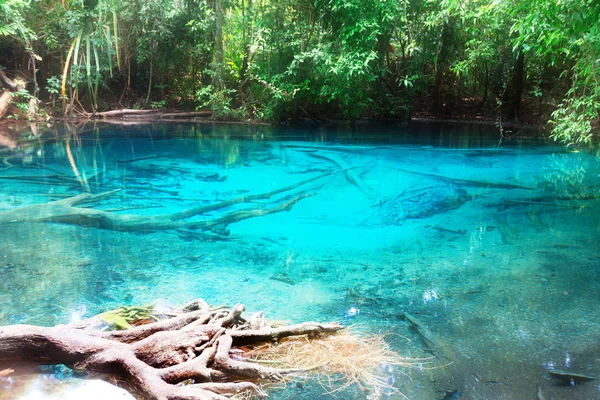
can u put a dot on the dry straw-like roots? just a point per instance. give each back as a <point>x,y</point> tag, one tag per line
<point>341,360</point>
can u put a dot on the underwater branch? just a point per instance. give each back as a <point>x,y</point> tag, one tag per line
<point>69,211</point>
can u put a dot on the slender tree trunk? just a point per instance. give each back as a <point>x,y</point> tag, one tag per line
<point>485,87</point>
<point>438,98</point>
<point>518,81</point>
<point>193,59</point>
<point>442,66</point>
<point>383,46</point>
<point>34,69</point>
<point>247,37</point>
<point>150,80</point>
<point>219,56</point>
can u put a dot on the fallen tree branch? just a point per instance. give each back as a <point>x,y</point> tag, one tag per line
<point>351,176</point>
<point>12,85</point>
<point>122,112</point>
<point>5,101</point>
<point>545,204</point>
<point>468,182</point>
<point>158,113</point>
<point>66,211</point>
<point>157,357</point>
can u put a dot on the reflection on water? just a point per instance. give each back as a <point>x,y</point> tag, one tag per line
<point>492,251</point>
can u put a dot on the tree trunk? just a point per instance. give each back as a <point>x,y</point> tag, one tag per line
<point>219,56</point>
<point>12,85</point>
<point>150,79</point>
<point>438,97</point>
<point>5,100</point>
<point>485,87</point>
<point>446,42</point>
<point>518,81</point>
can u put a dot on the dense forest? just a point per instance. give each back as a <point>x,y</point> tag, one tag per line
<point>529,61</point>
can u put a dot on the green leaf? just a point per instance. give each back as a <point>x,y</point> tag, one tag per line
<point>115,321</point>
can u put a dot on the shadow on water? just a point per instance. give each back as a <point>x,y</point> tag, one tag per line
<point>483,256</point>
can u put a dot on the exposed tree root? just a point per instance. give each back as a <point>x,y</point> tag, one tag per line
<point>192,347</point>
<point>66,211</point>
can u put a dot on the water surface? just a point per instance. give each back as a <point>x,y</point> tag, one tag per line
<point>493,245</point>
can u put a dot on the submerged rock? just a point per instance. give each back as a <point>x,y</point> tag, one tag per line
<point>424,204</point>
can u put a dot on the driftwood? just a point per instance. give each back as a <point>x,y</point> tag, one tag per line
<point>191,114</point>
<point>125,113</point>
<point>12,85</point>
<point>66,211</point>
<point>468,182</point>
<point>7,96</point>
<point>351,176</point>
<point>185,357</point>
<point>568,377</point>
<point>120,113</point>
<point>5,101</point>
<point>544,204</point>
<point>433,341</point>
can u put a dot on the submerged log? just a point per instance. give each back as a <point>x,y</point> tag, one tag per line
<point>351,176</point>
<point>160,359</point>
<point>468,182</point>
<point>66,211</point>
<point>569,377</point>
<point>435,343</point>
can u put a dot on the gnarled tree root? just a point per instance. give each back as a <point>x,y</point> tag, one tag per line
<point>192,347</point>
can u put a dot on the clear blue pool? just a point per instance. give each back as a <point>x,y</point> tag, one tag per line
<point>493,245</point>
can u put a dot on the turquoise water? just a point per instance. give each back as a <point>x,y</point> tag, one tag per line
<point>492,245</point>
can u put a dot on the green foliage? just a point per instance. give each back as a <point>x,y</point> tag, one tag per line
<point>123,317</point>
<point>218,101</point>
<point>288,59</point>
<point>566,35</point>
<point>158,104</point>
<point>21,100</point>
<point>13,23</point>
<point>53,85</point>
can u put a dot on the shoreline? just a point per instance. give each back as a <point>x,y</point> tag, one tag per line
<point>142,117</point>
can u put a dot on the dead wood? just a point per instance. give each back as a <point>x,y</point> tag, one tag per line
<point>351,176</point>
<point>12,85</point>
<point>193,346</point>
<point>5,101</point>
<point>545,204</point>
<point>132,160</point>
<point>468,182</point>
<point>191,114</point>
<point>129,113</point>
<point>66,211</point>
<point>120,113</point>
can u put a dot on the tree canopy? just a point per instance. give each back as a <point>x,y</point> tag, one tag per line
<point>277,60</point>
